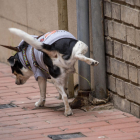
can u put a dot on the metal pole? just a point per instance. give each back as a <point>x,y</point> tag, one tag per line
<point>83,35</point>
<point>98,48</point>
<point>63,25</point>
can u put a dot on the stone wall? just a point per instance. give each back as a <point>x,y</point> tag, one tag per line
<point>122,37</point>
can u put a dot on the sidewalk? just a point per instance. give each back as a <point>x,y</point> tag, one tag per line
<point>26,123</point>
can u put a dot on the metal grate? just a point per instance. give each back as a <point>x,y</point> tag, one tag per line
<point>66,136</point>
<point>7,106</point>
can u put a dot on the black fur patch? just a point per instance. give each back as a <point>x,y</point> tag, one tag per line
<point>17,64</point>
<point>53,70</point>
<point>63,46</point>
<point>23,45</point>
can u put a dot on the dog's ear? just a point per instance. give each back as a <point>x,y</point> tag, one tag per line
<point>12,60</point>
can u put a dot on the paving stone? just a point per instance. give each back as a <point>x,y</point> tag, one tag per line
<point>120,87</point>
<point>108,64</point>
<point>132,92</point>
<point>107,9</point>
<point>131,55</point>
<point>111,83</point>
<point>116,11</point>
<point>133,74</point>
<point>119,31</point>
<point>137,2</point>
<point>135,110</point>
<point>132,2</point>
<point>109,46</point>
<point>121,103</point>
<point>17,123</point>
<point>119,68</point>
<point>118,51</point>
<point>130,15</point>
<point>109,28</point>
<point>131,35</point>
<point>138,38</point>
<point>139,76</point>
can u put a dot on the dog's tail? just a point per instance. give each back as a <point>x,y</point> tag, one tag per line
<point>27,38</point>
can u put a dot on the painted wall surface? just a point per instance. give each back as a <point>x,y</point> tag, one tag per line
<point>33,16</point>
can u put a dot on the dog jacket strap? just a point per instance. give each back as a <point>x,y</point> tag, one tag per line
<point>35,62</point>
<point>25,58</point>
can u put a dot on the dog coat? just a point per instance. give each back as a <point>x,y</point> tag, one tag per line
<point>48,38</point>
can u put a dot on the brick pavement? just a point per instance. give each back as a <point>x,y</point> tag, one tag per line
<point>26,123</point>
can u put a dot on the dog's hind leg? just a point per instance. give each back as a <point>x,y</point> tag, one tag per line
<point>42,86</point>
<point>60,85</point>
<point>89,61</point>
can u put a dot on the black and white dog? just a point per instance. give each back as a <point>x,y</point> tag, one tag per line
<point>59,57</point>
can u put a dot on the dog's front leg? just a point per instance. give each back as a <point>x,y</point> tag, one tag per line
<point>42,87</point>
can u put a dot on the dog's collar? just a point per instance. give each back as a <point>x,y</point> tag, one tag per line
<point>33,58</point>
<point>25,59</point>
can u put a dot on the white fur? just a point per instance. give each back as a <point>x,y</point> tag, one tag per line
<point>25,36</point>
<point>66,66</point>
<point>42,87</point>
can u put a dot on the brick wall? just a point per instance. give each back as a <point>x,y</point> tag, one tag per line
<point>122,37</point>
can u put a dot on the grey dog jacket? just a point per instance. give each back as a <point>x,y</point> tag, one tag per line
<point>48,38</point>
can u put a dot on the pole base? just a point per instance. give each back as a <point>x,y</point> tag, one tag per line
<point>81,100</point>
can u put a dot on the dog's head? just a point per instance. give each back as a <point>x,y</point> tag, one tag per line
<point>22,74</point>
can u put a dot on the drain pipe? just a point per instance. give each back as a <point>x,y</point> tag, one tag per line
<point>84,68</point>
<point>98,48</point>
<point>83,35</point>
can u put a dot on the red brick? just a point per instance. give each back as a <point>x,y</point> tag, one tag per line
<point>131,129</point>
<point>9,123</point>
<point>40,131</point>
<point>46,138</point>
<point>6,136</point>
<point>8,131</point>
<point>7,110</point>
<point>8,94</point>
<point>17,117</point>
<point>102,133</point>
<point>3,88</point>
<point>116,126</point>
<point>122,120</point>
<point>84,130</point>
<point>24,112</point>
<point>20,90</point>
<point>103,118</point>
<point>86,125</point>
<point>121,135</point>
<point>27,137</point>
<point>59,124</point>
<point>32,125</point>
<point>19,96</point>
<point>96,138</point>
<point>25,85</point>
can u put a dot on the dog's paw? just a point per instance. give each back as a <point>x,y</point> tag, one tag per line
<point>68,112</point>
<point>40,103</point>
<point>95,63</point>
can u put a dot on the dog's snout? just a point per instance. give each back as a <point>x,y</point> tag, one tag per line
<point>18,82</point>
